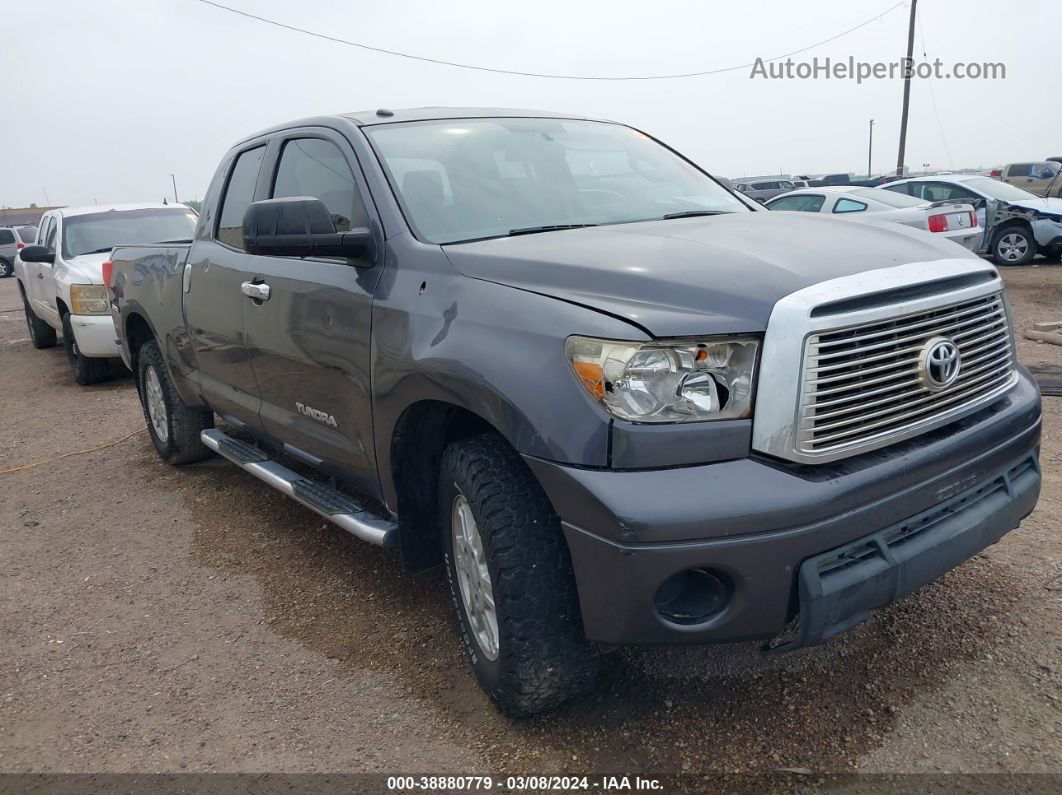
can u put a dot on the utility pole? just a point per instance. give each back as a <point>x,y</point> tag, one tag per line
<point>870,152</point>
<point>908,68</point>
<point>174,180</point>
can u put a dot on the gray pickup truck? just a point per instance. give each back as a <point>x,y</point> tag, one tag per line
<point>617,401</point>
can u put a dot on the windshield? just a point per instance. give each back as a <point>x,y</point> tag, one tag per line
<point>888,197</point>
<point>97,232</point>
<point>999,190</point>
<point>468,179</point>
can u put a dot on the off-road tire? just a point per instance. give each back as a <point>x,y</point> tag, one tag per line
<point>1004,234</point>
<point>543,655</point>
<point>182,444</point>
<point>87,370</point>
<point>41,334</point>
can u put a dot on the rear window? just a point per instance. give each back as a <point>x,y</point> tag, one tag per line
<point>95,233</point>
<point>28,234</point>
<point>888,197</point>
<point>6,237</point>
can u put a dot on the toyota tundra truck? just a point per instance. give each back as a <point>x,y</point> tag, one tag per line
<point>619,403</point>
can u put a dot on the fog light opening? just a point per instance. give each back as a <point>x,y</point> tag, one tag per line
<point>692,596</point>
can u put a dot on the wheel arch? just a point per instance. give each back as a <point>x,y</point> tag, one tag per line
<point>411,475</point>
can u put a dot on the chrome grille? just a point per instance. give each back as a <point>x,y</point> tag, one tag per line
<point>862,384</point>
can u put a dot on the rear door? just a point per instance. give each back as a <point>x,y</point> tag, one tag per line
<point>214,302</point>
<point>310,339</point>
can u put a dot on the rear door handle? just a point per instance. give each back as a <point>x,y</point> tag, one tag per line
<point>259,292</point>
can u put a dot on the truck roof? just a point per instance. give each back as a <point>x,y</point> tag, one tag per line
<point>67,212</point>
<point>366,118</point>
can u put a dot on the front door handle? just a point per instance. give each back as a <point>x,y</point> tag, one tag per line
<point>259,292</point>
<point>40,275</point>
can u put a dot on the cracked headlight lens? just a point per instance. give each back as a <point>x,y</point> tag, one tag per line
<point>677,381</point>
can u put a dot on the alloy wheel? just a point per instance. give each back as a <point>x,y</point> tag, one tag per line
<point>156,405</point>
<point>1012,247</point>
<point>473,577</point>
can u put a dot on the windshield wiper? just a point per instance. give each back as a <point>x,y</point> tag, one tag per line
<point>693,214</point>
<point>531,230</point>
<point>97,251</point>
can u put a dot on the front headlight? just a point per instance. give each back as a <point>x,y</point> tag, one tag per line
<point>678,381</point>
<point>89,299</point>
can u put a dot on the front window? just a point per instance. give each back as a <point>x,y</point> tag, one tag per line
<point>97,233</point>
<point>999,190</point>
<point>468,179</point>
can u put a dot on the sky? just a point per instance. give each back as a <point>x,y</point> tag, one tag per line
<point>106,99</point>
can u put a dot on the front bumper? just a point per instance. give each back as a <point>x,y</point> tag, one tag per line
<point>758,520</point>
<point>95,336</point>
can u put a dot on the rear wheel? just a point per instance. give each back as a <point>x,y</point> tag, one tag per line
<point>511,579</point>
<point>1014,245</point>
<point>41,334</point>
<point>87,370</point>
<point>173,426</point>
<point>7,267</point>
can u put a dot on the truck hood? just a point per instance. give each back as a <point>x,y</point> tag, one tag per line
<point>713,275</point>
<point>87,269</point>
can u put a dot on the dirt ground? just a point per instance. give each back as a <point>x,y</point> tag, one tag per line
<point>158,619</point>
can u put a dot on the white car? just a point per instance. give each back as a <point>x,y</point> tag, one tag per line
<point>61,281</point>
<point>1017,224</point>
<point>954,221</point>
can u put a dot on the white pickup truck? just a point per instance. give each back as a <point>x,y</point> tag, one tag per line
<point>61,282</point>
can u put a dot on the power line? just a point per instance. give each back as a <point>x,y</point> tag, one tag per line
<point>933,94</point>
<point>546,76</point>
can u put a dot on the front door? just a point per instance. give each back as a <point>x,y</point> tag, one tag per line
<point>309,340</point>
<point>215,302</point>
<point>43,281</point>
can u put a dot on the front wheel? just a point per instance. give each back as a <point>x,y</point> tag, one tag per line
<point>1014,246</point>
<point>511,579</point>
<point>7,267</point>
<point>173,426</point>
<point>86,370</point>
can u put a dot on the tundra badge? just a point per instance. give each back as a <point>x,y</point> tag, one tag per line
<point>314,414</point>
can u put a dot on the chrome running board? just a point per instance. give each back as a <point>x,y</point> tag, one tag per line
<point>332,504</point>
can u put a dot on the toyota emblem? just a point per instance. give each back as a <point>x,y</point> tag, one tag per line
<point>939,363</point>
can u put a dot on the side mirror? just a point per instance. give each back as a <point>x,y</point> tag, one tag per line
<point>37,254</point>
<point>301,227</point>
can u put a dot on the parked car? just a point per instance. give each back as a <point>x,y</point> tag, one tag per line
<point>953,221</point>
<point>1039,178</point>
<point>765,189</point>
<point>61,283</point>
<point>1017,224</point>
<point>830,179</point>
<point>618,403</point>
<point>12,239</point>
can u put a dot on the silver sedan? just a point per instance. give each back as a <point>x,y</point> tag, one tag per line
<point>955,221</point>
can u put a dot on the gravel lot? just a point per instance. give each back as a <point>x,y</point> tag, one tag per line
<point>155,619</point>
